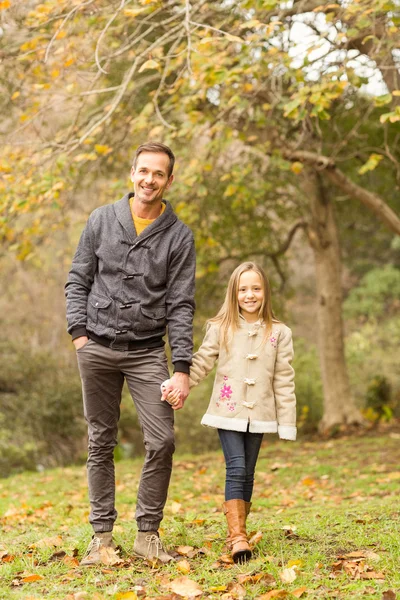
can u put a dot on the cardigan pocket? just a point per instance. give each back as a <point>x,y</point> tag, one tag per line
<point>98,309</point>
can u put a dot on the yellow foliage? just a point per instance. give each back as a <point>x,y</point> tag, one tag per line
<point>132,12</point>
<point>85,156</point>
<point>149,64</point>
<point>15,95</point>
<point>297,167</point>
<point>29,45</point>
<point>70,61</point>
<point>5,4</point>
<point>102,149</point>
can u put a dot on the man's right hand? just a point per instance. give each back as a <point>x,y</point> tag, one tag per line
<point>79,342</point>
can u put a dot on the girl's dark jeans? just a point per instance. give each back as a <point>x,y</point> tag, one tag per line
<point>241,450</point>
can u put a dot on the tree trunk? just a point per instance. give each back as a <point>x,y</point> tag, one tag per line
<point>339,405</point>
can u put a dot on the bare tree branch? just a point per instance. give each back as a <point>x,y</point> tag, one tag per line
<point>102,34</point>
<point>68,16</point>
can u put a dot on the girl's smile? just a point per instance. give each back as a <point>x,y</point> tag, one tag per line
<point>250,295</point>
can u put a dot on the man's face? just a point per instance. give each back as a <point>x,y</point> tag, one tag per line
<point>150,177</point>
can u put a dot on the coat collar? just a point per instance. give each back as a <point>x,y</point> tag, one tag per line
<point>123,213</point>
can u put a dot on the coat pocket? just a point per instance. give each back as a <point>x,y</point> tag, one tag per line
<point>151,318</point>
<point>98,309</point>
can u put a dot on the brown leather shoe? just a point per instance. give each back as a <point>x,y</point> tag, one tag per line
<point>93,555</point>
<point>148,545</point>
<point>235,512</point>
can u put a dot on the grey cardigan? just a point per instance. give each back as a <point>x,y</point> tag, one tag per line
<point>128,288</point>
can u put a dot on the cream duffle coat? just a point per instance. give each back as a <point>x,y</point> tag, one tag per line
<point>254,382</point>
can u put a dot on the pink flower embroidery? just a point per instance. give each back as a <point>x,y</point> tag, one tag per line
<point>226,392</point>
<point>272,339</point>
<point>231,407</point>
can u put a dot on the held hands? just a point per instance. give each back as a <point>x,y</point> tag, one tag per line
<point>175,390</point>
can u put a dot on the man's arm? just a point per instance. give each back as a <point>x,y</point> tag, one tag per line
<point>180,310</point>
<point>78,286</point>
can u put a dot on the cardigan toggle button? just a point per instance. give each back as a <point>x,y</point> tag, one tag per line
<point>250,381</point>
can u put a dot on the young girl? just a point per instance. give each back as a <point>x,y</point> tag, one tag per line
<point>253,390</point>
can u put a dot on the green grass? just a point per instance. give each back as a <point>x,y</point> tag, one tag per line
<point>337,496</point>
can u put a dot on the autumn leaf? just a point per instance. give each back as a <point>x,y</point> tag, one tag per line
<point>31,578</point>
<point>273,594</point>
<point>183,586</point>
<point>218,588</point>
<point>175,507</point>
<point>109,556</point>
<point>184,550</point>
<point>149,64</point>
<point>299,592</point>
<point>255,539</point>
<point>266,578</point>
<point>237,591</point>
<point>126,596</point>
<point>48,542</point>
<point>288,575</point>
<point>183,566</point>
<point>102,149</point>
<point>226,558</point>
<point>388,595</point>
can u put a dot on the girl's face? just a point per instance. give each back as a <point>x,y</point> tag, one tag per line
<point>250,295</point>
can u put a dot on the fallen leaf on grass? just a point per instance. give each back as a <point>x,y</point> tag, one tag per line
<point>70,561</point>
<point>126,596</point>
<point>48,542</point>
<point>273,594</point>
<point>218,588</point>
<point>299,592</point>
<point>183,566</point>
<point>183,586</point>
<point>308,481</point>
<point>372,556</point>
<point>31,577</point>
<point>288,575</point>
<point>353,564</point>
<point>184,550</point>
<point>226,558</point>
<point>257,537</point>
<point>277,466</point>
<point>290,531</point>
<point>235,590</point>
<point>175,507</point>
<point>5,557</point>
<point>109,556</point>
<point>256,578</point>
<point>372,575</point>
<point>388,595</point>
<point>298,563</point>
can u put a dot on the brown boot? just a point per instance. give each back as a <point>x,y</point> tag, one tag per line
<point>148,545</point>
<point>228,537</point>
<point>235,512</point>
<point>93,553</point>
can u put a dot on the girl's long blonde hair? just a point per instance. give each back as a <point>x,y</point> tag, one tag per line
<point>228,314</point>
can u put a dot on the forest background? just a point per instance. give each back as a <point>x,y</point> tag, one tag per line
<point>284,117</point>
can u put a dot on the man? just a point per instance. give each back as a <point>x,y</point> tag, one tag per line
<point>132,275</point>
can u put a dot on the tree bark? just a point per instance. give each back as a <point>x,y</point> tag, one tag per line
<point>339,405</point>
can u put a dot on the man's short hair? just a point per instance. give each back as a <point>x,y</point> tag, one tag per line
<point>158,148</point>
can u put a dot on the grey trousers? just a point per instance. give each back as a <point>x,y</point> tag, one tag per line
<point>103,372</point>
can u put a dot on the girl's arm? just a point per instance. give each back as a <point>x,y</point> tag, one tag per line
<point>283,384</point>
<point>204,359</point>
